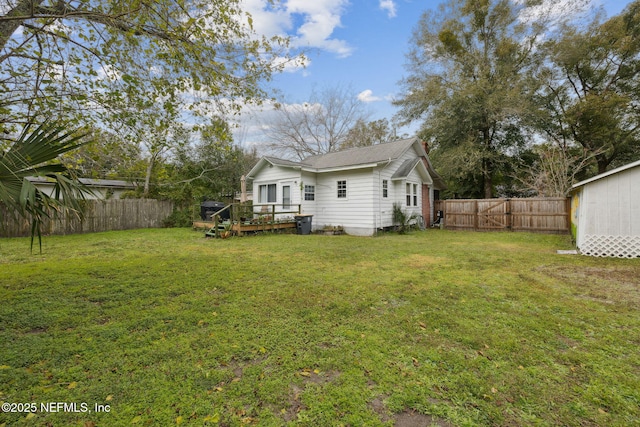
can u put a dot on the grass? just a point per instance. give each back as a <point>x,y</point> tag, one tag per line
<point>164,327</point>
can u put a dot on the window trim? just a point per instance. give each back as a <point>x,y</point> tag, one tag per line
<point>343,190</point>
<point>407,192</point>
<point>266,188</point>
<point>411,194</point>
<point>309,193</point>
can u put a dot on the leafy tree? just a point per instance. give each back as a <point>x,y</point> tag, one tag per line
<point>209,167</point>
<point>319,126</point>
<point>34,154</point>
<point>591,95</point>
<point>106,156</point>
<point>468,84</point>
<point>70,58</point>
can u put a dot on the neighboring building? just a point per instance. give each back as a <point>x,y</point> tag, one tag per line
<point>355,188</point>
<point>102,189</point>
<point>605,213</point>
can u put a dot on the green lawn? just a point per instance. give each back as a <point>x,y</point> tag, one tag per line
<point>165,327</point>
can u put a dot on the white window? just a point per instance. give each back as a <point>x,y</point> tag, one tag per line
<point>309,192</point>
<point>342,189</point>
<point>267,193</point>
<point>412,194</point>
<point>385,188</point>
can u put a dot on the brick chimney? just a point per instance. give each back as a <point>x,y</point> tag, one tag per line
<point>425,145</point>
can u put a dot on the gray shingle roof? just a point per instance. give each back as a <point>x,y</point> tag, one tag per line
<point>358,156</point>
<point>405,168</point>
<point>282,162</point>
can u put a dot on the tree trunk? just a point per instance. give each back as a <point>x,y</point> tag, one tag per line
<point>147,176</point>
<point>487,172</point>
<point>487,179</point>
<point>603,163</point>
<point>9,26</point>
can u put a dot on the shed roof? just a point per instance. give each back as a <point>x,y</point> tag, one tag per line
<point>606,174</point>
<point>110,183</point>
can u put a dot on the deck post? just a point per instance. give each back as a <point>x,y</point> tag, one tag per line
<point>273,217</point>
<point>235,218</point>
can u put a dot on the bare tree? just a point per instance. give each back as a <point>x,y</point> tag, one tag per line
<point>319,126</point>
<point>364,134</point>
<point>555,170</point>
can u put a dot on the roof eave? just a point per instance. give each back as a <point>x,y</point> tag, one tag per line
<point>422,170</point>
<point>340,168</point>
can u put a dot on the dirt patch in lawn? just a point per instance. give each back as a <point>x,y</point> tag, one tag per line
<point>309,377</point>
<point>295,405</point>
<point>605,285</point>
<point>414,419</point>
<point>407,418</point>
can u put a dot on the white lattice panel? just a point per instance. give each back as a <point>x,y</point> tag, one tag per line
<point>613,246</point>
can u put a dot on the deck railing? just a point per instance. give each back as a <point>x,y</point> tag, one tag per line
<point>244,217</point>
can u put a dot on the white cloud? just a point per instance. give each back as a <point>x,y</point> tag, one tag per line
<point>269,21</point>
<point>108,72</point>
<point>554,10</point>
<point>367,96</point>
<point>309,24</point>
<point>389,6</point>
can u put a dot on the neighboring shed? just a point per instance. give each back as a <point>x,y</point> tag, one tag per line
<point>605,213</point>
<point>101,189</point>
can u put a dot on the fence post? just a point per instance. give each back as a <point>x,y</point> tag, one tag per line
<point>476,225</point>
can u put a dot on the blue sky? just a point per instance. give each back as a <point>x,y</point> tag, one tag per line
<point>359,44</point>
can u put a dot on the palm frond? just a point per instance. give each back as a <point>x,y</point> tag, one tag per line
<point>35,155</point>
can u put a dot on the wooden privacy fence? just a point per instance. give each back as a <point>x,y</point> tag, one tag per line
<point>100,215</point>
<point>538,215</point>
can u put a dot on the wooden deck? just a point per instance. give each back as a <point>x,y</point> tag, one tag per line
<point>240,228</point>
<point>245,219</point>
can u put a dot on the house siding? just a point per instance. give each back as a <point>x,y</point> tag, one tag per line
<point>354,212</point>
<point>309,206</point>
<point>280,176</point>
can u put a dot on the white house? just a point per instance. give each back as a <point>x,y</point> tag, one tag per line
<point>355,188</point>
<point>605,213</point>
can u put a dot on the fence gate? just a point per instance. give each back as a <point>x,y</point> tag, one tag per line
<point>493,215</point>
<point>540,215</point>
